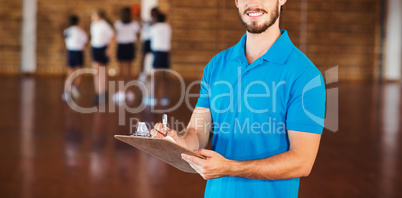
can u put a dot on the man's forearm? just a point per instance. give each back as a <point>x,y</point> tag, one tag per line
<point>188,138</point>
<point>286,165</point>
<point>196,134</point>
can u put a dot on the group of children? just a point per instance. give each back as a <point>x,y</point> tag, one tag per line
<point>155,35</point>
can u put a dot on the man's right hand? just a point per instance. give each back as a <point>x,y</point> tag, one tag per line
<point>159,132</point>
<point>195,136</point>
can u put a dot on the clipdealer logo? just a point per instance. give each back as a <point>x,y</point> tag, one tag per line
<point>331,121</point>
<point>331,78</point>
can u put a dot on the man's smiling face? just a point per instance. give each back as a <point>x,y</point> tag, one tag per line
<point>258,15</point>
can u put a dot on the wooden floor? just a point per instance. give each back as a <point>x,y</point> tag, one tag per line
<point>48,150</point>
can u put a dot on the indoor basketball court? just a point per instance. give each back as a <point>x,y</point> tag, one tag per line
<point>53,146</point>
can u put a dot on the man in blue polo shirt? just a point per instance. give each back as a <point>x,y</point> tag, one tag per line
<point>265,102</point>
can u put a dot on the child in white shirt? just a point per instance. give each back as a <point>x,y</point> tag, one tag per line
<point>127,31</point>
<point>101,36</point>
<point>75,39</point>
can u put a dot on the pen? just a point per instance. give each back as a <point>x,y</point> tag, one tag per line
<point>164,135</point>
<point>164,122</point>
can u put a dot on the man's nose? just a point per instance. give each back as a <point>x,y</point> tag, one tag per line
<point>251,3</point>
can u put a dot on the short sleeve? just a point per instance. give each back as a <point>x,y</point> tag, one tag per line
<point>116,24</point>
<point>91,29</point>
<point>83,36</point>
<point>110,31</point>
<point>205,91</point>
<point>137,27</point>
<point>151,31</point>
<point>86,37</point>
<point>65,33</point>
<point>306,106</point>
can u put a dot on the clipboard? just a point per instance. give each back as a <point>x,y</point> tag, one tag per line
<point>162,149</point>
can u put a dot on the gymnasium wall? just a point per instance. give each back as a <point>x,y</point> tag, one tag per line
<point>330,32</point>
<point>337,32</point>
<point>10,36</point>
<point>200,30</point>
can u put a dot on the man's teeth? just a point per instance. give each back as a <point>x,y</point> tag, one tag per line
<point>255,14</point>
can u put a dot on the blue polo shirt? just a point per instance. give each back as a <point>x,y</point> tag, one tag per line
<point>254,105</point>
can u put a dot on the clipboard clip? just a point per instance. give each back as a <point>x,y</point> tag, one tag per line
<point>142,130</point>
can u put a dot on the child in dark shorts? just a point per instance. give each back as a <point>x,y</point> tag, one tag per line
<point>75,39</point>
<point>102,35</point>
<point>161,34</point>
<point>127,31</point>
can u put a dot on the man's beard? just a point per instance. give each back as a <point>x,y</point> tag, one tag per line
<point>258,29</point>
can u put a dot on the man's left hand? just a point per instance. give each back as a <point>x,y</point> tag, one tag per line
<point>214,166</point>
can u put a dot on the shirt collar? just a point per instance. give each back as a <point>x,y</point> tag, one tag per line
<point>239,52</point>
<point>278,53</point>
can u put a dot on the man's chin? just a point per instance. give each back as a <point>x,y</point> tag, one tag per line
<point>256,29</point>
<point>254,26</point>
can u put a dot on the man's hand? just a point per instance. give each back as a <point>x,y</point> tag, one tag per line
<point>159,132</point>
<point>214,166</point>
